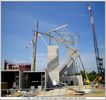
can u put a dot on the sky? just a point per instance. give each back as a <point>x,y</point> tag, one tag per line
<point>18,19</point>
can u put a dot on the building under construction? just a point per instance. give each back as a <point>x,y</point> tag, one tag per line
<point>22,77</point>
<point>24,80</point>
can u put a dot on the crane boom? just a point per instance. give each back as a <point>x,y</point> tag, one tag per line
<point>57,28</point>
<point>99,61</point>
<point>66,43</point>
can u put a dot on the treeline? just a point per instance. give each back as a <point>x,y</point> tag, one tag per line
<point>91,75</point>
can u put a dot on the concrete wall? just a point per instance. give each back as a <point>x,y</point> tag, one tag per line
<point>69,66</point>
<point>72,80</point>
<point>69,69</point>
<point>53,64</point>
<point>9,79</point>
<point>30,78</point>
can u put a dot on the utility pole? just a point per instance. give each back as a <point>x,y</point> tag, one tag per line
<point>34,42</point>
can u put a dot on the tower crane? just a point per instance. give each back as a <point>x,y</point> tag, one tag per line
<point>35,38</point>
<point>99,60</point>
<point>60,40</point>
<point>34,45</point>
<point>67,43</point>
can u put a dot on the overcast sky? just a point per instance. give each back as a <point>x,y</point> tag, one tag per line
<point>19,18</point>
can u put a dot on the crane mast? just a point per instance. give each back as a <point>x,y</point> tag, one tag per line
<point>99,61</point>
<point>34,42</point>
<point>60,40</point>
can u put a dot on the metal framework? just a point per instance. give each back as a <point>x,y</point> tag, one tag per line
<point>99,60</point>
<point>59,37</point>
<point>65,38</point>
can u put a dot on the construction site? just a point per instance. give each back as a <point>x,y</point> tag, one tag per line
<point>23,80</point>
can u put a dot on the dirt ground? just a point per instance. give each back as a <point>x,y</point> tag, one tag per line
<point>70,91</point>
<point>99,92</point>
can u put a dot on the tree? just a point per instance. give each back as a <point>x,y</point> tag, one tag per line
<point>92,75</point>
<point>83,74</point>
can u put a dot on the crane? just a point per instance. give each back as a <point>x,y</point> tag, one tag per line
<point>35,37</point>
<point>34,44</point>
<point>99,60</point>
<point>60,40</point>
<point>66,43</point>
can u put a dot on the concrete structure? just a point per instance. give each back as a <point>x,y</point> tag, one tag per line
<point>17,80</point>
<point>67,72</point>
<point>53,65</point>
<point>69,67</point>
<point>72,80</point>
<point>21,79</point>
<point>35,79</point>
<point>10,79</point>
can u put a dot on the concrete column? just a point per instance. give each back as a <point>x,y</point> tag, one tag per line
<point>53,64</point>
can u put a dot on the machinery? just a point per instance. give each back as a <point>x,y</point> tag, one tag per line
<point>99,60</point>
<point>87,81</point>
<point>60,39</point>
<point>34,44</point>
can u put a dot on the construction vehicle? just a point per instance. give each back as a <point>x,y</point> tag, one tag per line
<point>99,60</point>
<point>97,79</point>
<point>87,81</point>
